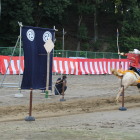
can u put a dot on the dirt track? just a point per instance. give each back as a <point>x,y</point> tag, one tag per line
<point>88,110</point>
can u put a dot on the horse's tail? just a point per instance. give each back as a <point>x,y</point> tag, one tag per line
<point>117,73</point>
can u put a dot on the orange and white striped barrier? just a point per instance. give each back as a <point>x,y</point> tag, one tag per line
<point>67,65</point>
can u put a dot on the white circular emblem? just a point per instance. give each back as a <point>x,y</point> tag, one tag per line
<point>46,36</point>
<point>30,34</point>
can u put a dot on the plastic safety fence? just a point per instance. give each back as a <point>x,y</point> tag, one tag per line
<point>88,66</point>
<point>11,65</point>
<point>67,65</point>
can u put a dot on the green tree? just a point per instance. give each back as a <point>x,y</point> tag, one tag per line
<point>49,9</point>
<point>130,24</point>
<point>83,9</point>
<point>29,12</point>
<point>12,12</point>
<point>131,21</point>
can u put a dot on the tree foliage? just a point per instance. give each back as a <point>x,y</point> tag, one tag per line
<point>130,25</point>
<point>86,21</point>
<point>29,12</point>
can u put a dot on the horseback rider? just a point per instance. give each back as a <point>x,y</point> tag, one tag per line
<point>134,58</point>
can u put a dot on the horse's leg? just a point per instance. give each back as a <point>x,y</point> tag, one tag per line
<point>119,92</point>
<point>138,86</point>
<point>123,87</point>
<point>118,95</point>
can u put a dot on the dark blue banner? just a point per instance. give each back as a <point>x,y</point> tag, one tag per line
<point>35,57</point>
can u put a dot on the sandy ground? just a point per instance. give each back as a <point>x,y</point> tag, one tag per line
<point>89,112</point>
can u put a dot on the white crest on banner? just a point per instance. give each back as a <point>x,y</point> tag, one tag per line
<point>46,36</point>
<point>30,34</point>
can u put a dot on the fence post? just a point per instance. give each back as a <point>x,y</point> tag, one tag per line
<point>122,108</point>
<point>30,118</point>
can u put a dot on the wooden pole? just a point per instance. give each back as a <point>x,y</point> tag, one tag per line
<point>30,108</point>
<point>122,108</point>
<point>30,118</point>
<point>123,97</point>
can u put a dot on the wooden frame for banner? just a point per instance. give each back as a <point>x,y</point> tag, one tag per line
<point>8,67</point>
<point>14,84</point>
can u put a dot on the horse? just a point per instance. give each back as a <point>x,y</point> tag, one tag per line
<point>128,78</point>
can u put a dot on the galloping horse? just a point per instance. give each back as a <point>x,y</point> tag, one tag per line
<point>128,78</point>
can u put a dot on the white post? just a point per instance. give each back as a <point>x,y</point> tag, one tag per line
<point>63,40</point>
<point>118,48</point>
<point>48,70</point>
<point>54,42</point>
<point>118,43</point>
<point>49,45</point>
<point>20,24</point>
<point>54,39</point>
<point>19,94</point>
